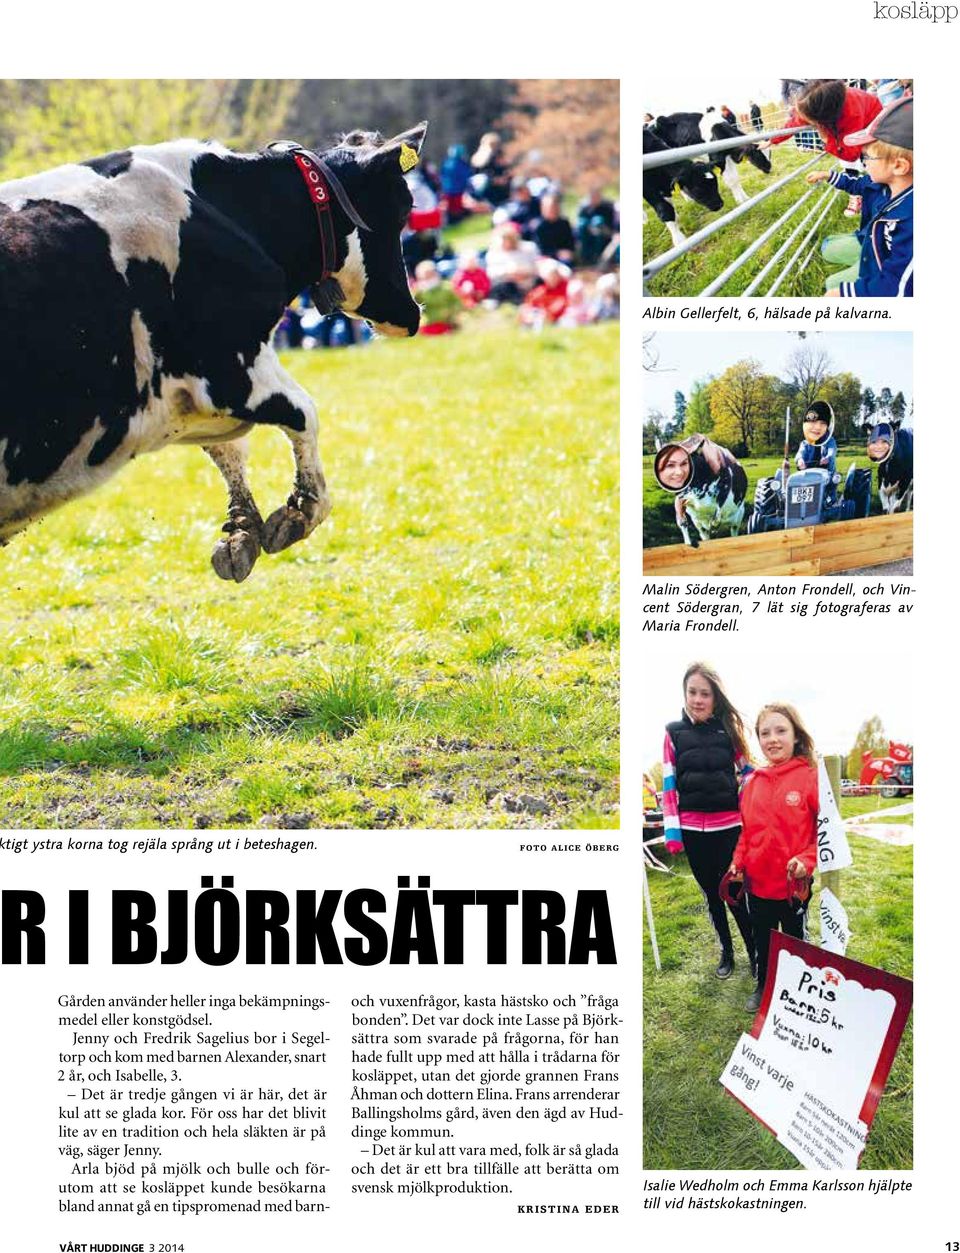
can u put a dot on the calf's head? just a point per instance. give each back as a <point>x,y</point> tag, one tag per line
<point>373,278</point>
<point>758,159</point>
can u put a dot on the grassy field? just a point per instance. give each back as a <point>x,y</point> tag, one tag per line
<point>442,652</point>
<point>693,271</point>
<point>692,1021</point>
<point>470,234</point>
<point>659,521</point>
<point>873,807</point>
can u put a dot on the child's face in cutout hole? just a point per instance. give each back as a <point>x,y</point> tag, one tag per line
<point>777,737</point>
<point>814,429</point>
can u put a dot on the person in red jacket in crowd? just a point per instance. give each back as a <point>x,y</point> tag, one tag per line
<point>548,301</point>
<point>471,281</point>
<point>776,854</point>
<point>835,110</point>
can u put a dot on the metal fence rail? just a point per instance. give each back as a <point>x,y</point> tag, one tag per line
<point>755,282</point>
<point>653,159</point>
<point>829,198</point>
<point>674,254</point>
<point>804,139</point>
<point>739,262</point>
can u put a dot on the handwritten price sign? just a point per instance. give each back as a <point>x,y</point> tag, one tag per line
<point>813,1067</point>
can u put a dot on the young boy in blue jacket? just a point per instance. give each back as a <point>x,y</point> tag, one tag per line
<point>879,257</point>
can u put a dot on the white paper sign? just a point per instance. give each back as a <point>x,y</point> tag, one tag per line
<point>821,1138</point>
<point>763,1077</point>
<point>833,1024</point>
<point>807,1074</point>
<point>833,851</point>
<point>834,923</point>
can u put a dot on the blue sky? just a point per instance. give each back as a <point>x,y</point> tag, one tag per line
<point>878,359</point>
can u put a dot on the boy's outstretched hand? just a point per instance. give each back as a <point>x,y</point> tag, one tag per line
<point>817,176</point>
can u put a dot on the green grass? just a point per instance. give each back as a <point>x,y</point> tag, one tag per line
<point>868,806</point>
<point>441,652</point>
<point>470,234</point>
<point>692,1022</point>
<point>659,519</point>
<point>694,270</point>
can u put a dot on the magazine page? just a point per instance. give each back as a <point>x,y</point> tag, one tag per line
<point>315,912</point>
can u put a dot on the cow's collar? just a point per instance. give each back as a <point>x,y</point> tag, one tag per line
<point>323,187</point>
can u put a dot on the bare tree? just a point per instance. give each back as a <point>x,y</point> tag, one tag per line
<point>808,368</point>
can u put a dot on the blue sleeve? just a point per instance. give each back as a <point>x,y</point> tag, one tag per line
<point>855,184</point>
<point>895,277</point>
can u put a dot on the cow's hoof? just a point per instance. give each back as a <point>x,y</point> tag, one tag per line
<point>234,557</point>
<point>285,526</point>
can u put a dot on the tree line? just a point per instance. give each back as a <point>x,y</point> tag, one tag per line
<point>744,408</point>
<point>571,126</point>
<point>871,740</point>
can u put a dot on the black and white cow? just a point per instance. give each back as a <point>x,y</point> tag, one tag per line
<point>138,294</point>
<point>892,450</point>
<point>677,130</point>
<point>695,179</point>
<point>709,483</point>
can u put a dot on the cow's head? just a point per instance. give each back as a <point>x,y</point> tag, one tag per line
<point>758,158</point>
<point>698,183</point>
<point>373,277</point>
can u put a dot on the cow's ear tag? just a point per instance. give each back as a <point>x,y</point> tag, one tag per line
<point>408,157</point>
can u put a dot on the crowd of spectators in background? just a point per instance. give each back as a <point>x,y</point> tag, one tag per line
<point>553,269</point>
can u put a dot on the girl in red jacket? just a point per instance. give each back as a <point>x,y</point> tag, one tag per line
<point>836,110</point>
<point>777,850</point>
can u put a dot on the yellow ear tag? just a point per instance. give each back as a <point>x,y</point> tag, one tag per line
<point>408,157</point>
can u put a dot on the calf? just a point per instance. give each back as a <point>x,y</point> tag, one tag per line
<point>710,486</point>
<point>695,179</point>
<point>138,294</point>
<point>892,450</point>
<point>677,130</point>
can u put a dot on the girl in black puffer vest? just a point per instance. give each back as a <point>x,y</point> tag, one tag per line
<point>704,760</point>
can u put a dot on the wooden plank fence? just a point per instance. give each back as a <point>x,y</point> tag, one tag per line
<point>804,550</point>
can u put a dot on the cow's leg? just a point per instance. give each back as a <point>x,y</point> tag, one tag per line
<point>683,522</point>
<point>276,400</point>
<point>668,216</point>
<point>731,176</point>
<point>308,504</point>
<point>234,557</point>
